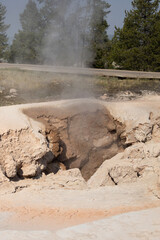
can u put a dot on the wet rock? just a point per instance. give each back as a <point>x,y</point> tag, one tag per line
<point>80,138</point>
<point>53,139</point>
<point>54,167</point>
<point>88,142</point>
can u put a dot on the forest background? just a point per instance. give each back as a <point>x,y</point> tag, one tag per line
<point>75,33</point>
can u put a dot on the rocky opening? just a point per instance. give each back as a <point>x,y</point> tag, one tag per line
<point>80,136</point>
<point>80,139</point>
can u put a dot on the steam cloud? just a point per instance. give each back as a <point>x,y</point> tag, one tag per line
<point>67,38</point>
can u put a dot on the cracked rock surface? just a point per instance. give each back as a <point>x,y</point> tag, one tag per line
<point>23,153</point>
<point>80,135</point>
<point>70,162</point>
<point>84,134</point>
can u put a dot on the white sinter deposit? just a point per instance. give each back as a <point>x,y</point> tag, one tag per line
<point>78,160</point>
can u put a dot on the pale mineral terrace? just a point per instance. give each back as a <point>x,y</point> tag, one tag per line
<point>69,162</point>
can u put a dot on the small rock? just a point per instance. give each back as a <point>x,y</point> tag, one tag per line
<point>143,132</point>
<point>102,142</point>
<point>10,167</point>
<point>104,97</point>
<point>2,89</point>
<point>122,174</point>
<point>136,151</point>
<point>13,91</point>
<point>75,172</point>
<point>8,96</point>
<point>3,178</point>
<point>128,93</point>
<point>28,171</point>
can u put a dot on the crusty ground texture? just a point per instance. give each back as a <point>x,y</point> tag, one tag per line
<point>38,206</point>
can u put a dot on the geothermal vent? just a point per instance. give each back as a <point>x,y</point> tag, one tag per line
<point>79,136</point>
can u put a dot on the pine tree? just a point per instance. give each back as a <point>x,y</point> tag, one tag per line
<point>27,42</point>
<point>47,12</point>
<point>136,45</point>
<point>3,28</point>
<point>57,32</point>
<point>63,32</point>
<point>99,43</point>
<point>75,32</point>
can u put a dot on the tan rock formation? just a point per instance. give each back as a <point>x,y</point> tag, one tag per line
<point>80,134</point>
<point>118,170</point>
<point>22,152</point>
<point>41,138</point>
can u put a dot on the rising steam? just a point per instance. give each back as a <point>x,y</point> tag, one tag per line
<point>67,39</point>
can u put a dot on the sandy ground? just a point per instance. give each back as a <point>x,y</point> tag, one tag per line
<point>48,214</point>
<point>33,209</point>
<point>134,225</point>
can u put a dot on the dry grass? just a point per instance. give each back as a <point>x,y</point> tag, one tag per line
<point>36,86</point>
<point>114,85</point>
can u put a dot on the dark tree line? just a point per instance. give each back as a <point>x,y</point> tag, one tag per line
<point>3,35</point>
<point>137,45</point>
<point>74,33</point>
